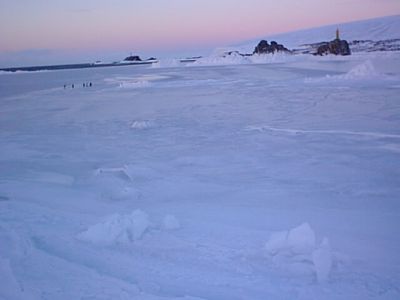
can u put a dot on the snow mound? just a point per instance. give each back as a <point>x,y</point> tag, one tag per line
<point>167,63</point>
<point>170,222</point>
<point>134,84</point>
<point>140,125</point>
<point>272,58</point>
<point>117,229</point>
<point>301,239</point>
<point>366,69</point>
<point>224,58</point>
<point>297,240</point>
<point>322,259</point>
<point>363,71</point>
<point>116,183</point>
<point>277,241</point>
<point>296,251</point>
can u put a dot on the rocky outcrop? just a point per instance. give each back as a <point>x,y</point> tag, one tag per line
<point>264,48</point>
<point>132,58</point>
<point>336,47</point>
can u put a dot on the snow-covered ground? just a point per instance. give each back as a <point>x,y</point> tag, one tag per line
<point>272,178</point>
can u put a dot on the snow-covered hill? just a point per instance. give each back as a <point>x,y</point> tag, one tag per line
<point>378,29</point>
<point>374,35</point>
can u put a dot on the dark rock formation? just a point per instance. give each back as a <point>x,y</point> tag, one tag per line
<point>356,46</point>
<point>336,47</point>
<point>264,48</point>
<point>235,53</point>
<point>132,58</point>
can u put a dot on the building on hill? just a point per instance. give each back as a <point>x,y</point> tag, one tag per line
<point>336,47</point>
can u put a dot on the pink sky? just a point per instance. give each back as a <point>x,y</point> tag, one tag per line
<point>151,25</point>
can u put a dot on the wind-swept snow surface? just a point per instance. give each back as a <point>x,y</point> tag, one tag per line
<point>278,180</point>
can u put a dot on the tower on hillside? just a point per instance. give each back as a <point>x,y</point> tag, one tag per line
<point>337,34</point>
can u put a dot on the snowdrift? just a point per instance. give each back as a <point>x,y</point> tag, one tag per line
<point>297,251</point>
<point>120,229</point>
<point>117,229</point>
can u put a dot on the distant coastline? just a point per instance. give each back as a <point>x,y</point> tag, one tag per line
<point>71,66</point>
<point>83,66</point>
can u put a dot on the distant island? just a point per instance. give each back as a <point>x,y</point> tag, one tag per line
<point>97,64</point>
<point>128,61</point>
